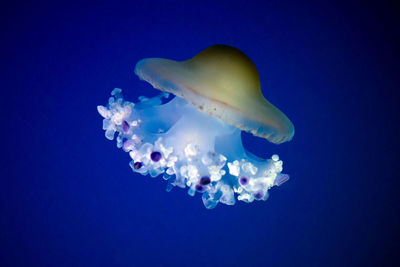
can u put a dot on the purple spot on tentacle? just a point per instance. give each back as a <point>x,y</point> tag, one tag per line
<point>259,195</point>
<point>125,126</point>
<point>205,180</point>
<point>280,179</point>
<point>200,188</point>
<point>244,180</point>
<point>137,165</point>
<point>155,156</point>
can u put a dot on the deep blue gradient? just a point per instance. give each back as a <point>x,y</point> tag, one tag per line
<point>69,198</point>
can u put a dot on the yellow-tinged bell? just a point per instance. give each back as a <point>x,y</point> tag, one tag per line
<point>223,82</point>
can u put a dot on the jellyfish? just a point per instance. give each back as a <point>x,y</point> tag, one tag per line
<point>191,132</point>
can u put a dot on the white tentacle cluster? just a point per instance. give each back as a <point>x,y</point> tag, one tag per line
<point>189,148</point>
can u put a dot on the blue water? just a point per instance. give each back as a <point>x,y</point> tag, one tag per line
<point>69,198</point>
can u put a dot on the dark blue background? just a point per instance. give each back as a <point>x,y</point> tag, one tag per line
<point>69,198</point>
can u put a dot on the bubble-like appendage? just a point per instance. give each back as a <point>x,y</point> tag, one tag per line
<point>189,148</point>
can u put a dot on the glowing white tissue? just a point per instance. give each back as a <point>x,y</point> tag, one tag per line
<point>190,148</point>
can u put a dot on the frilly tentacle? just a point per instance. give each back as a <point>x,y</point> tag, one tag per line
<point>189,148</point>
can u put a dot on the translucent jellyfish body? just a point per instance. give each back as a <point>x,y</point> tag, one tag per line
<point>194,139</point>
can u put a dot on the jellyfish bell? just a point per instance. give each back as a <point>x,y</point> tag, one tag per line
<point>221,81</point>
<point>194,139</point>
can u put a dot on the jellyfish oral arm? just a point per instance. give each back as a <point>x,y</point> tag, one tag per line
<point>189,148</point>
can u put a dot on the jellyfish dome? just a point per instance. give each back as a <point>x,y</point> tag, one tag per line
<point>194,139</point>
